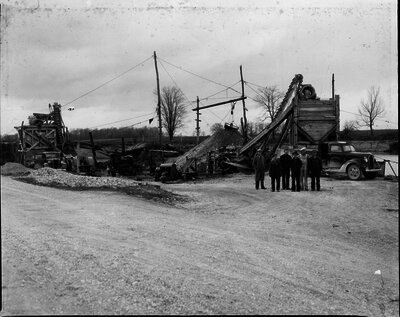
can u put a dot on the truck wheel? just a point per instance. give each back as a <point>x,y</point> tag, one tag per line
<point>354,172</point>
<point>370,175</point>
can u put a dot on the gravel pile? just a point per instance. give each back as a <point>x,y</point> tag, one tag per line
<point>47,176</point>
<point>14,169</point>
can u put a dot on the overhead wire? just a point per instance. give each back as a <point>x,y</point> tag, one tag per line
<point>225,89</point>
<point>162,65</point>
<point>254,84</point>
<point>187,71</point>
<point>107,82</point>
<point>100,125</point>
<point>218,92</point>
<point>255,92</point>
<point>357,114</point>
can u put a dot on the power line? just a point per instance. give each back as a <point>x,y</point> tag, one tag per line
<point>212,95</point>
<point>162,65</point>
<point>247,82</point>
<point>357,114</point>
<point>210,80</point>
<point>100,125</point>
<point>255,92</point>
<point>225,116</point>
<point>107,82</point>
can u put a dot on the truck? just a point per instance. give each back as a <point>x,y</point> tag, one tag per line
<point>342,157</point>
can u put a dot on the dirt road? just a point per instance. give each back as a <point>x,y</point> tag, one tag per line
<point>230,250</point>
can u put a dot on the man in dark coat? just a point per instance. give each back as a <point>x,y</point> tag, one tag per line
<point>285,160</point>
<point>275,172</point>
<point>295,168</point>
<point>259,168</point>
<point>315,168</point>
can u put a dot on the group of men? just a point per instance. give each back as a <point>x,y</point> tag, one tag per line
<point>295,166</point>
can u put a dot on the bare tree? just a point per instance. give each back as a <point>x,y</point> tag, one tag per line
<point>348,127</point>
<point>372,108</point>
<point>269,99</point>
<point>173,109</point>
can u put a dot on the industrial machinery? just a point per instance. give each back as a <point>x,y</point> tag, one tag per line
<point>45,133</point>
<point>313,122</point>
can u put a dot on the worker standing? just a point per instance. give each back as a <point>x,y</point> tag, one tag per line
<point>285,161</point>
<point>275,172</point>
<point>315,168</point>
<point>259,168</point>
<point>304,170</point>
<point>295,168</point>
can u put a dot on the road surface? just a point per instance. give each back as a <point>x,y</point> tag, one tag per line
<point>229,250</point>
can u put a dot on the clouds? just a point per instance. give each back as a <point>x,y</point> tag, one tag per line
<point>65,49</point>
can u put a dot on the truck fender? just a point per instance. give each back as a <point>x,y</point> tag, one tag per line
<point>343,168</point>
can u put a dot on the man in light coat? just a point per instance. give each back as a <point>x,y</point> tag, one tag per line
<point>304,169</point>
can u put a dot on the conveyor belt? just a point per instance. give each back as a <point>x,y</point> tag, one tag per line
<point>283,112</point>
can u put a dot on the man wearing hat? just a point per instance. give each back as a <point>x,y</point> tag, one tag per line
<point>259,168</point>
<point>315,168</point>
<point>304,170</point>
<point>285,160</point>
<point>295,168</point>
<point>275,172</point>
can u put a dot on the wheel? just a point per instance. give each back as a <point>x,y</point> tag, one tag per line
<point>354,172</point>
<point>370,175</point>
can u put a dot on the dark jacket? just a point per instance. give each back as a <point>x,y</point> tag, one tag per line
<point>259,163</point>
<point>286,161</point>
<point>295,166</point>
<point>315,166</point>
<point>275,168</point>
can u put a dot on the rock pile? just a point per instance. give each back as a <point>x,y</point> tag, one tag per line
<point>14,169</point>
<point>47,175</point>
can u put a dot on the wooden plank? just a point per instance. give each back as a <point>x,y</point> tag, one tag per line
<point>315,118</point>
<point>316,102</point>
<point>317,110</point>
<point>317,130</point>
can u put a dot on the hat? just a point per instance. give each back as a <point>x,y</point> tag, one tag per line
<point>295,153</point>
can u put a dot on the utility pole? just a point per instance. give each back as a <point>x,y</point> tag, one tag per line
<point>333,86</point>
<point>244,123</point>
<point>158,102</point>
<point>93,150</point>
<point>198,120</point>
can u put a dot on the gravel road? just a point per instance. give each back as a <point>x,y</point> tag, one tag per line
<point>229,249</point>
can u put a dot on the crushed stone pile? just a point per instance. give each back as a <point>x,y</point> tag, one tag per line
<point>14,169</point>
<point>47,175</point>
<point>223,137</point>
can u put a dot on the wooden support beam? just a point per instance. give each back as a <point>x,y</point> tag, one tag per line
<point>245,138</point>
<point>93,150</point>
<point>158,101</point>
<point>219,103</point>
<point>197,123</point>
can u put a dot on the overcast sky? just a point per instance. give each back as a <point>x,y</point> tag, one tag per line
<point>57,51</point>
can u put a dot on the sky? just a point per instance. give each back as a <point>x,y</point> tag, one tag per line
<point>97,56</point>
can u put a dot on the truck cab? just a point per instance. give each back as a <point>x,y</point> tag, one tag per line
<point>342,157</point>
